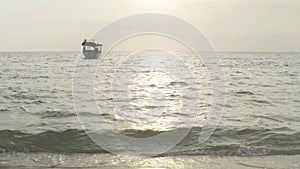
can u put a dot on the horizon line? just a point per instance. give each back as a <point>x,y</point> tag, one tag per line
<point>224,51</point>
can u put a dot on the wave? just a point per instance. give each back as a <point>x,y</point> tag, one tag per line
<point>68,141</point>
<point>57,114</point>
<point>239,142</point>
<point>244,93</point>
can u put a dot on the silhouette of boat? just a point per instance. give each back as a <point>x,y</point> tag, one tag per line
<point>91,49</point>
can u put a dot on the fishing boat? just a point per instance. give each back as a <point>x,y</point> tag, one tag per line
<point>91,49</point>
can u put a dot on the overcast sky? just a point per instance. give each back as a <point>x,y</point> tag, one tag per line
<point>231,25</point>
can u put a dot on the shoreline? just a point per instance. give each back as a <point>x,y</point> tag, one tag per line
<point>52,160</point>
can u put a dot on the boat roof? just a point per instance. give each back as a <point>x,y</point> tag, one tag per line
<point>92,42</point>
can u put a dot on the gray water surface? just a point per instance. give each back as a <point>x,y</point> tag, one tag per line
<point>261,116</point>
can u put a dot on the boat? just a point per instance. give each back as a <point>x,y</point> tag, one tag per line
<point>91,49</point>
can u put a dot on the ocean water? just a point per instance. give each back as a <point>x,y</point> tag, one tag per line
<point>261,115</point>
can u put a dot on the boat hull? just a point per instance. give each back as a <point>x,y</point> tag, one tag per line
<point>91,54</point>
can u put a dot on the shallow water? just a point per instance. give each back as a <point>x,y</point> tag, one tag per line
<point>261,116</point>
<point>46,160</point>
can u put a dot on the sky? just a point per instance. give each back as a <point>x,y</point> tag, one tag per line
<point>231,25</point>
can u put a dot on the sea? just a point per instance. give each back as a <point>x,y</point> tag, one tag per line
<point>41,128</point>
